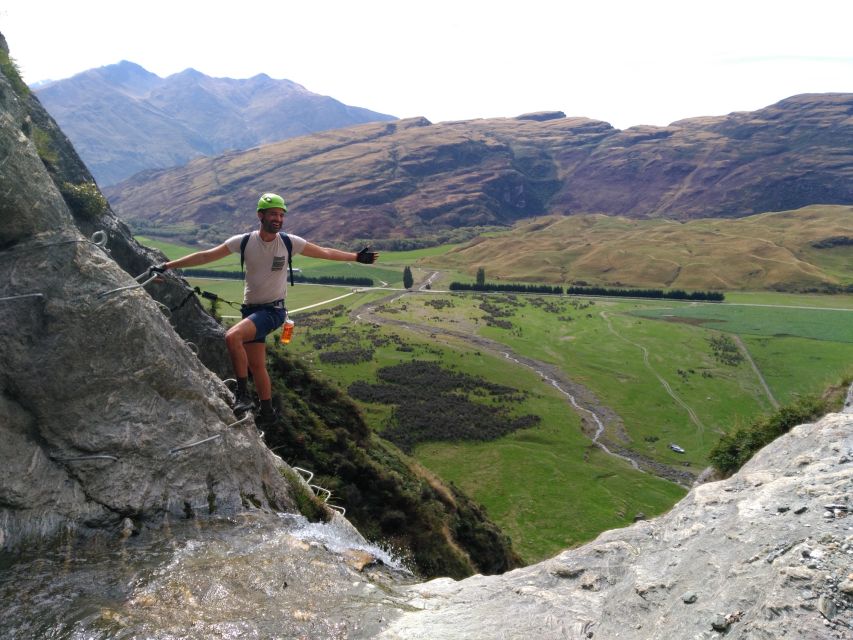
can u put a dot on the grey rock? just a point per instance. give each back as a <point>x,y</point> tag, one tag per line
<point>719,623</point>
<point>98,388</point>
<point>826,607</point>
<point>638,567</point>
<point>689,597</point>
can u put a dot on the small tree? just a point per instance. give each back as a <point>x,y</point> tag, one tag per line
<point>408,279</point>
<point>481,277</point>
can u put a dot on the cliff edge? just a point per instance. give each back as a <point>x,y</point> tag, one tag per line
<point>104,408</point>
<point>765,554</point>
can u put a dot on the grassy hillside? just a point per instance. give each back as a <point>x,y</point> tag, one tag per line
<point>659,371</point>
<point>788,251</point>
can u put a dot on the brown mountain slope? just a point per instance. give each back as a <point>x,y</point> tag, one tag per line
<point>412,178</point>
<point>811,248</point>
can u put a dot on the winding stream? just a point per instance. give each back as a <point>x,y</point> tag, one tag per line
<point>594,415</point>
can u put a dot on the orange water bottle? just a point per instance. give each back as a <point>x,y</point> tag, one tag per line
<point>286,331</point>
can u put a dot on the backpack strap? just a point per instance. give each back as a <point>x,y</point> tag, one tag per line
<point>288,244</point>
<point>243,244</point>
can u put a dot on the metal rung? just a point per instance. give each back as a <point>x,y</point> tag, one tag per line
<point>241,420</point>
<point>337,508</point>
<point>302,471</point>
<point>93,457</point>
<point>195,444</point>
<point>318,489</point>
<point>25,295</point>
<point>127,288</point>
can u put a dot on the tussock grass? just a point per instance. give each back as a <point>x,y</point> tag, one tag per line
<point>767,251</point>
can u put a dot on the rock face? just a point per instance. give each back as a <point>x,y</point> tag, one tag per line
<point>763,555</point>
<point>412,178</point>
<point>100,396</point>
<point>124,119</point>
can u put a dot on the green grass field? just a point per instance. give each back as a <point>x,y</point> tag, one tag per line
<point>650,362</point>
<point>818,324</point>
<point>545,486</point>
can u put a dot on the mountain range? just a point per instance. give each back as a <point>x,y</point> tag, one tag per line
<point>412,178</point>
<point>123,119</point>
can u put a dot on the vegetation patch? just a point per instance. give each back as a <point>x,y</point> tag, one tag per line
<point>10,69</point>
<point>389,499</point>
<point>85,200</point>
<point>725,350</point>
<point>737,447</point>
<point>433,403</point>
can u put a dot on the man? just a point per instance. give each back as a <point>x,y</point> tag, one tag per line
<point>263,309</point>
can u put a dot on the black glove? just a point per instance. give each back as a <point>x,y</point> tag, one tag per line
<point>158,269</point>
<point>366,256</point>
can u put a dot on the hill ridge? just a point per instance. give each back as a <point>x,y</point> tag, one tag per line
<point>432,179</point>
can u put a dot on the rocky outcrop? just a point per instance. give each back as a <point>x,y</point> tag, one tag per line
<point>103,406</point>
<point>762,555</point>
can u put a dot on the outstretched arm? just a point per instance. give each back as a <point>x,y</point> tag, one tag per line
<point>199,257</point>
<point>313,251</point>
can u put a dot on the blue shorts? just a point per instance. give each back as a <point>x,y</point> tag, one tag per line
<point>265,317</point>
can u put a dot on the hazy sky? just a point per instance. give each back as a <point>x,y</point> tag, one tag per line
<point>625,62</point>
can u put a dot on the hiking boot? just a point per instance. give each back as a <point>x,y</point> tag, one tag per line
<point>266,418</point>
<point>243,403</point>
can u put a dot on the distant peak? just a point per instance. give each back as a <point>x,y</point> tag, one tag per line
<point>190,73</point>
<point>124,71</point>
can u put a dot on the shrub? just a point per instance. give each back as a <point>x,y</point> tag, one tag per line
<point>9,68</point>
<point>85,200</point>
<point>735,449</point>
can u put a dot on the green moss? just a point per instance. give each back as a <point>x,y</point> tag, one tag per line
<point>44,146</point>
<point>250,500</point>
<point>306,502</point>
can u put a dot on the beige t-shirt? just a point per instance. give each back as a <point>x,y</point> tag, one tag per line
<point>265,266</point>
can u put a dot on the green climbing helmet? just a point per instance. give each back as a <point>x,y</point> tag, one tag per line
<point>271,201</point>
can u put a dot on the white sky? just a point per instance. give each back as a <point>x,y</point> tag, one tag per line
<point>625,62</point>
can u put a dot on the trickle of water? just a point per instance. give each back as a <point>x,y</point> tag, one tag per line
<point>247,577</point>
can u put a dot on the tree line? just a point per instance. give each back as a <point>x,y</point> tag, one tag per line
<point>674,294</point>
<point>236,275</point>
<point>508,287</point>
